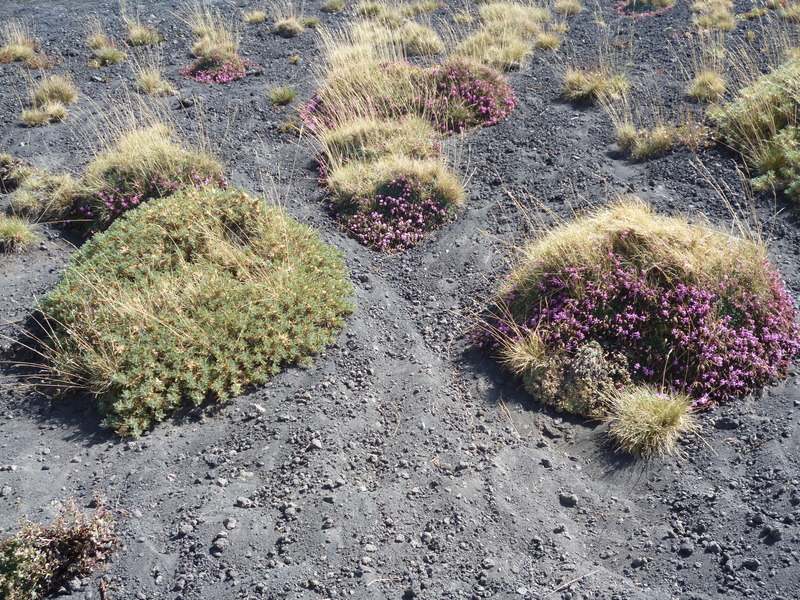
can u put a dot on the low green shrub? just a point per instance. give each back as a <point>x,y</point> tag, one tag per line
<point>761,122</point>
<point>189,299</point>
<point>37,560</point>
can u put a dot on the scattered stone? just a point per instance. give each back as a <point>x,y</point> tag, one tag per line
<point>185,529</point>
<point>686,549</point>
<point>713,547</point>
<point>751,563</point>
<point>488,563</point>
<point>546,463</point>
<point>726,423</point>
<point>567,499</point>
<point>5,492</point>
<point>638,562</point>
<point>370,548</point>
<point>230,523</point>
<point>244,502</point>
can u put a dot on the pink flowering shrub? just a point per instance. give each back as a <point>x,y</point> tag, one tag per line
<point>217,68</point>
<point>397,217</point>
<point>468,96</point>
<point>710,335</point>
<point>117,194</point>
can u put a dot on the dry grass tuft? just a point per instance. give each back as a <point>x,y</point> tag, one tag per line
<point>591,84</point>
<point>333,6</point>
<point>281,96</point>
<point>706,86</point>
<point>288,27</point>
<point>714,14</point>
<point>55,88</point>
<point>568,8</point>
<point>214,34</point>
<point>253,17</point>
<point>16,234</point>
<point>646,423</point>
<point>547,40</point>
<point>43,197</point>
<point>513,16</point>
<point>504,50</point>
<point>49,112</point>
<point>17,41</point>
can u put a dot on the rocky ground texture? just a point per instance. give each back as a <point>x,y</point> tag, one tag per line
<point>403,463</point>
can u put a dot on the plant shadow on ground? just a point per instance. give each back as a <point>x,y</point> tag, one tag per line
<point>74,411</point>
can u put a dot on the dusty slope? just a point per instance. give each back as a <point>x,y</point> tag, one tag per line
<point>403,464</point>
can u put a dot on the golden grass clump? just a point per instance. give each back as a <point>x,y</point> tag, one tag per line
<point>547,40</point>
<point>714,14</point>
<point>44,114</point>
<point>43,196</point>
<point>504,50</point>
<point>568,8</point>
<point>54,88</point>
<point>17,42</point>
<point>214,35</point>
<point>255,16</point>
<point>288,27</point>
<point>706,86</point>
<point>590,84</point>
<point>791,12</point>
<point>151,82</point>
<point>513,16</point>
<point>419,40</point>
<point>368,139</point>
<point>646,423</point>
<point>16,234</point>
<point>333,6</point>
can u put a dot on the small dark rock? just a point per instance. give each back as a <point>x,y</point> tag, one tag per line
<point>686,549</point>
<point>751,563</point>
<point>567,499</point>
<point>726,423</point>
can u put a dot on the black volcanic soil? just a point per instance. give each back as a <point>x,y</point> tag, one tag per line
<point>403,464</point>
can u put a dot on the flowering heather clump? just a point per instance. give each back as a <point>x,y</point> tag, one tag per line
<point>395,218</point>
<point>217,68</point>
<point>468,96</point>
<point>117,195</point>
<point>697,313</point>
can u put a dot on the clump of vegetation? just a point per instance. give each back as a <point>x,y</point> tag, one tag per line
<point>39,559</point>
<point>16,234</point>
<point>13,172</point>
<point>288,26</point>
<point>628,298</point>
<point>312,22</point>
<point>645,422</point>
<point>706,86</point>
<point>50,112</point>
<point>714,14</point>
<point>391,203</point>
<point>504,50</point>
<point>547,40</point>
<point>455,96</point>
<point>419,40</point>
<point>593,83</point>
<point>49,99</point>
<point>761,122</point>
<point>150,81</point>
<point>333,6</point>
<point>17,41</point>
<point>43,196</point>
<point>254,17</point>
<point>568,8</point>
<point>190,299</point>
<point>141,165</point>
<point>55,88</point>
<point>282,95</point>
<point>104,50</point>
<point>216,47</point>
<point>143,35</point>
<point>643,8</point>
<point>643,143</point>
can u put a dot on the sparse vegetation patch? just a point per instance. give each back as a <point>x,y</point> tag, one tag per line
<point>39,559</point>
